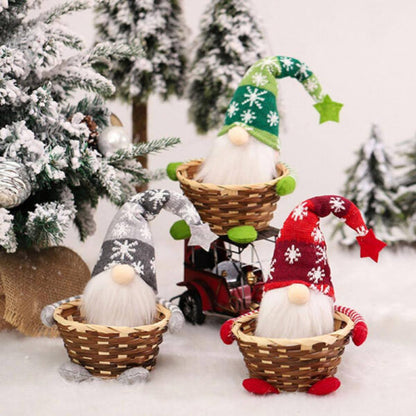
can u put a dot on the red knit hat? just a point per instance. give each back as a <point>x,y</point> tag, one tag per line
<point>300,252</point>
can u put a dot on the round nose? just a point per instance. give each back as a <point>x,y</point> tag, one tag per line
<point>298,294</point>
<point>123,274</point>
<point>238,136</point>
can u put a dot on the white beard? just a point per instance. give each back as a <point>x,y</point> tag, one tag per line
<point>279,318</point>
<point>106,302</point>
<point>228,164</point>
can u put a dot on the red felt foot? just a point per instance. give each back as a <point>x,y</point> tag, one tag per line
<point>257,386</point>
<point>325,386</point>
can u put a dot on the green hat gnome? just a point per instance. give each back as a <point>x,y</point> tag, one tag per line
<point>246,150</point>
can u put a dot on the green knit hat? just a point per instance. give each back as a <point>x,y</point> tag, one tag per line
<point>254,107</point>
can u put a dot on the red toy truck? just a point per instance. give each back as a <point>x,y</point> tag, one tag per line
<point>220,281</point>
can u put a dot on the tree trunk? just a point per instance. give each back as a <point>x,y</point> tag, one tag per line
<point>139,125</point>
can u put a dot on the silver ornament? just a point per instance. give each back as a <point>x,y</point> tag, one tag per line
<point>112,139</point>
<point>15,185</point>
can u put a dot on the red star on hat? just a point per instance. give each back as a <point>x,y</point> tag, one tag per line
<point>370,245</point>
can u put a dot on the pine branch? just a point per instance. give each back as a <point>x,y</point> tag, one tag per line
<point>66,38</point>
<point>52,15</point>
<point>143,149</point>
<point>106,52</point>
<point>94,107</point>
<point>48,223</point>
<point>85,79</point>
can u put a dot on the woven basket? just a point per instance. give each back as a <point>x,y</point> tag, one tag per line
<point>227,206</point>
<point>108,351</point>
<point>292,364</point>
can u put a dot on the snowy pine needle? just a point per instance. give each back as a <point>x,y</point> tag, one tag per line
<point>143,149</point>
<point>51,134</point>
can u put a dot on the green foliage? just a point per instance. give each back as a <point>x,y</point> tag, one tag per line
<point>158,27</point>
<point>372,187</point>
<point>45,130</point>
<point>230,41</point>
<point>406,196</point>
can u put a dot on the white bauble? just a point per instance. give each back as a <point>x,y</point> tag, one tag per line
<point>280,318</point>
<point>112,139</point>
<point>118,298</point>
<point>248,162</point>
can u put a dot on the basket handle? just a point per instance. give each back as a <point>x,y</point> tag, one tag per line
<point>360,331</point>
<point>46,314</point>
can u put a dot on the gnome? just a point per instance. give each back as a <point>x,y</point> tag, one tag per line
<point>298,300</point>
<point>246,151</point>
<point>122,290</point>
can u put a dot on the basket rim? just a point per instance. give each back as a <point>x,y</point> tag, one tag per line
<point>281,167</point>
<point>125,330</point>
<point>328,339</point>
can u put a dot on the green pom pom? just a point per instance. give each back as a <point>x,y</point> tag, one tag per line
<point>180,230</point>
<point>171,170</point>
<point>243,234</point>
<point>285,186</point>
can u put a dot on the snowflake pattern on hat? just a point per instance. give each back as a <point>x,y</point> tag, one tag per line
<point>300,254</point>
<point>129,239</point>
<point>254,103</point>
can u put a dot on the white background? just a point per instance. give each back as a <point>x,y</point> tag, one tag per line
<point>363,54</point>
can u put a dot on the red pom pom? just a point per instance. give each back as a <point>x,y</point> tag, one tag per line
<point>359,333</point>
<point>225,332</point>
<point>257,386</point>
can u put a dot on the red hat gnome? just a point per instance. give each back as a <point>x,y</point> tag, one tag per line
<point>300,268</point>
<point>298,300</point>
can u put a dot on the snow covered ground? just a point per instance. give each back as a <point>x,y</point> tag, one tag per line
<point>356,49</point>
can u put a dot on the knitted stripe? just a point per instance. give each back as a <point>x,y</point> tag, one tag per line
<point>351,313</point>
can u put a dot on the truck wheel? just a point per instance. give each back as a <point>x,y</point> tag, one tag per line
<point>191,306</point>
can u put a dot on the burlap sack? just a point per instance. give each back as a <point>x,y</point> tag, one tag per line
<point>31,279</point>
<point>4,325</point>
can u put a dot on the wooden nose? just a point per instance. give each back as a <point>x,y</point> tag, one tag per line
<point>298,294</point>
<point>123,274</point>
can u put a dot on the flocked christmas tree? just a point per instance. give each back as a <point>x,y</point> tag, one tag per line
<point>159,28</point>
<point>50,173</point>
<point>372,187</point>
<point>230,41</point>
<point>406,195</point>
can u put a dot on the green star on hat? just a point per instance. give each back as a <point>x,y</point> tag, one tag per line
<point>254,106</point>
<point>328,110</point>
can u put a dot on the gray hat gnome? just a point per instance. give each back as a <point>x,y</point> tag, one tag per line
<point>122,290</point>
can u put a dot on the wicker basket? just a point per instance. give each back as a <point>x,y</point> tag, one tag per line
<point>108,351</point>
<point>227,206</point>
<point>292,364</point>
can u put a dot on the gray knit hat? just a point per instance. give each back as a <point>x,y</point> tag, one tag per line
<point>129,239</point>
